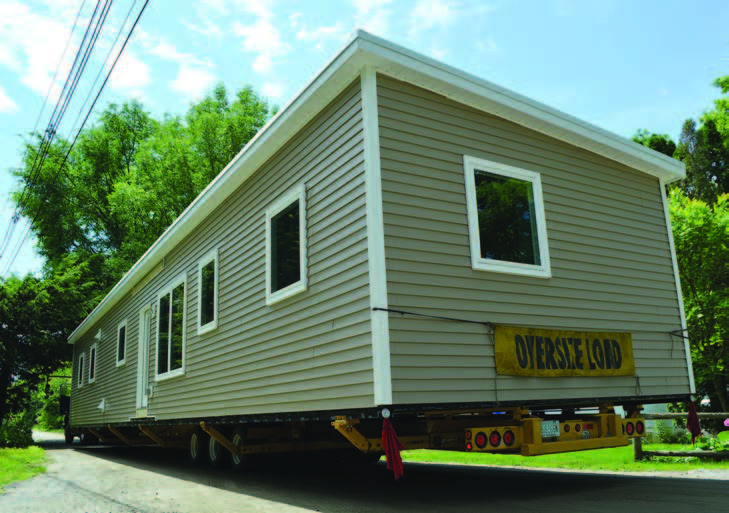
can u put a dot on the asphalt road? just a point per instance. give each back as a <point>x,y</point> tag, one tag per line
<point>152,480</point>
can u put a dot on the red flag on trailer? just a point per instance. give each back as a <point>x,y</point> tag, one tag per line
<point>692,422</point>
<point>392,446</point>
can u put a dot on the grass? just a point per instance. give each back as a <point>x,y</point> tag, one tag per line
<point>616,460</point>
<point>20,464</point>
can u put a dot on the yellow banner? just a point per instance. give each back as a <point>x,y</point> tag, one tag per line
<point>556,353</point>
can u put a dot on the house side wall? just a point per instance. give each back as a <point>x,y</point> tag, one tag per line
<point>309,352</point>
<point>608,242</point>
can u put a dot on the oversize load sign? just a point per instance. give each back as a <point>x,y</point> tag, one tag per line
<point>549,353</point>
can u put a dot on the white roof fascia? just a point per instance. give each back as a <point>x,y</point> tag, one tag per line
<point>393,60</point>
<point>409,66</point>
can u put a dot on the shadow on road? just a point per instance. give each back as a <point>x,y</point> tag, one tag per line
<point>324,484</point>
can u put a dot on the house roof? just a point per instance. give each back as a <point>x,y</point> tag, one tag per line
<point>365,50</point>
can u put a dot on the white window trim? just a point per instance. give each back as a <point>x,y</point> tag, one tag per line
<point>121,362</point>
<point>297,193</point>
<point>470,164</point>
<point>181,371</point>
<point>92,362</point>
<point>81,365</point>
<point>211,256</point>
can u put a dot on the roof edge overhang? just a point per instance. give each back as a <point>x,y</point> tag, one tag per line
<point>364,49</point>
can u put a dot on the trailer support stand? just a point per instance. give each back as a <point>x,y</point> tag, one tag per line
<point>220,438</point>
<point>119,435</point>
<point>152,435</point>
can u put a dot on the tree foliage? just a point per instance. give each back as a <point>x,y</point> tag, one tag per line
<point>661,143</point>
<point>701,234</point>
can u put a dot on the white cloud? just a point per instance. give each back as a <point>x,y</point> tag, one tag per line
<point>488,46</point>
<point>432,13</point>
<point>130,73</point>
<point>35,58</point>
<point>372,15</point>
<point>193,82</point>
<point>294,19</point>
<point>6,103</point>
<point>207,29</point>
<point>273,90</point>
<point>439,53</point>
<point>263,39</point>
<point>260,8</point>
<point>320,34</point>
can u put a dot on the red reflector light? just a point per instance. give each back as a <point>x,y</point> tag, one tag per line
<point>589,426</point>
<point>629,428</point>
<point>495,438</point>
<point>468,434</point>
<point>578,427</point>
<point>469,447</point>
<point>481,440</point>
<point>509,438</point>
<point>639,427</point>
<point>566,428</point>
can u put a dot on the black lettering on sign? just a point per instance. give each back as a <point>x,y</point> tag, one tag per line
<point>590,362</point>
<point>540,352</point>
<point>617,354</point>
<point>578,353</point>
<point>597,353</point>
<point>530,347</point>
<point>608,350</point>
<point>521,351</point>
<point>562,363</point>
<point>551,363</point>
<point>566,344</point>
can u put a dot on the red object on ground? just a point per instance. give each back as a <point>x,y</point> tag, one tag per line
<point>392,447</point>
<point>692,422</point>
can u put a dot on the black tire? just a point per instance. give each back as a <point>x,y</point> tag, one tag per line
<point>197,446</point>
<point>68,436</point>
<point>216,453</point>
<point>238,461</point>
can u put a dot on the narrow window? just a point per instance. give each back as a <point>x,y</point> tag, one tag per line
<point>121,343</point>
<point>171,331</point>
<point>286,246</point>
<point>92,364</point>
<point>81,365</point>
<point>506,219</point>
<point>207,284</point>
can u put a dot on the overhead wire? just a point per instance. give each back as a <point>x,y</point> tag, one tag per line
<point>78,132</point>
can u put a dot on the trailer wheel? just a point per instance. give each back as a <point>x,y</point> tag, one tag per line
<point>198,444</point>
<point>215,452</point>
<point>68,436</point>
<point>238,461</point>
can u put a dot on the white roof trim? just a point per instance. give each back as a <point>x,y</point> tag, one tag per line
<point>390,59</point>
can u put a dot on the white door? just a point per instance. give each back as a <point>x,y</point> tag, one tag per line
<point>143,362</point>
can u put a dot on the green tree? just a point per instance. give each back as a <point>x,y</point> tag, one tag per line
<point>702,150</point>
<point>661,143</point>
<point>701,234</point>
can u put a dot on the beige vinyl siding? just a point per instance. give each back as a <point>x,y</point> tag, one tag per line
<point>609,249</point>
<point>309,352</point>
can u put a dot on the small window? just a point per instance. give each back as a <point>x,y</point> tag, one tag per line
<point>121,343</point>
<point>171,330</point>
<point>81,365</point>
<point>207,286</point>
<point>92,364</point>
<point>506,219</point>
<point>286,246</point>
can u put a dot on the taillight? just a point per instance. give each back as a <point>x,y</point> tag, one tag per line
<point>481,440</point>
<point>495,439</point>
<point>468,434</point>
<point>630,428</point>
<point>509,438</point>
<point>566,428</point>
<point>469,446</point>
<point>639,427</point>
<point>578,427</point>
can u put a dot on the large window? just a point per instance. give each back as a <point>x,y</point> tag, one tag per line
<point>121,343</point>
<point>171,330</point>
<point>81,365</point>
<point>506,219</point>
<point>92,364</point>
<point>286,246</point>
<point>207,286</point>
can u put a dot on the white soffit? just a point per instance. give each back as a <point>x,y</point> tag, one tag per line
<point>393,60</point>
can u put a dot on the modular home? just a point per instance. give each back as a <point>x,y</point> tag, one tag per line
<point>402,235</point>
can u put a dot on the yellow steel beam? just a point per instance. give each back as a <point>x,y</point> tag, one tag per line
<point>573,445</point>
<point>153,436</point>
<point>98,435</point>
<point>220,438</point>
<point>119,435</point>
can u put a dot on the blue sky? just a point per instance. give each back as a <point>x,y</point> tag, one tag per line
<point>621,65</point>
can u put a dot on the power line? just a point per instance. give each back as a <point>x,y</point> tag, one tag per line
<point>70,148</point>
